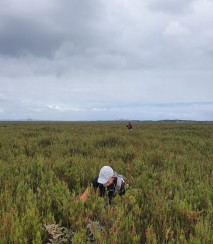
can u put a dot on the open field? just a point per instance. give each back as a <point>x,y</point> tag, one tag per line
<point>44,167</point>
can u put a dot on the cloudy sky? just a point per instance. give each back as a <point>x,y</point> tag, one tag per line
<point>106,60</point>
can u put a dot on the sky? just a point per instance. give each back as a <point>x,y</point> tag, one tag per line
<point>106,60</point>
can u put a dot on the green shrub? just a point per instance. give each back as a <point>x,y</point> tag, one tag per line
<point>44,167</point>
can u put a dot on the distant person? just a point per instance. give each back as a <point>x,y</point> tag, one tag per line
<point>129,126</point>
<point>108,182</point>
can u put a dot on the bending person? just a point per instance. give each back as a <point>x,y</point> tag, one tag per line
<point>108,182</point>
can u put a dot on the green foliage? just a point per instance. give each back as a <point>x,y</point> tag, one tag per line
<point>44,167</point>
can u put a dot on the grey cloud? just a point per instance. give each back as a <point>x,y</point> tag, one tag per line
<point>172,6</point>
<point>21,37</point>
<point>76,35</point>
<point>105,59</point>
<point>2,97</point>
<point>70,22</point>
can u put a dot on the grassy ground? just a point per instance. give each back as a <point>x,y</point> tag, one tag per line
<point>44,167</point>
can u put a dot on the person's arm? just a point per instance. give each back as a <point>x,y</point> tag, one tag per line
<point>83,197</point>
<point>86,192</point>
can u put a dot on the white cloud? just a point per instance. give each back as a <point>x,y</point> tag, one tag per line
<point>64,108</point>
<point>203,7</point>
<point>99,109</point>
<point>175,29</point>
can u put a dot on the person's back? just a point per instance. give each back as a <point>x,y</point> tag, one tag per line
<point>129,126</point>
